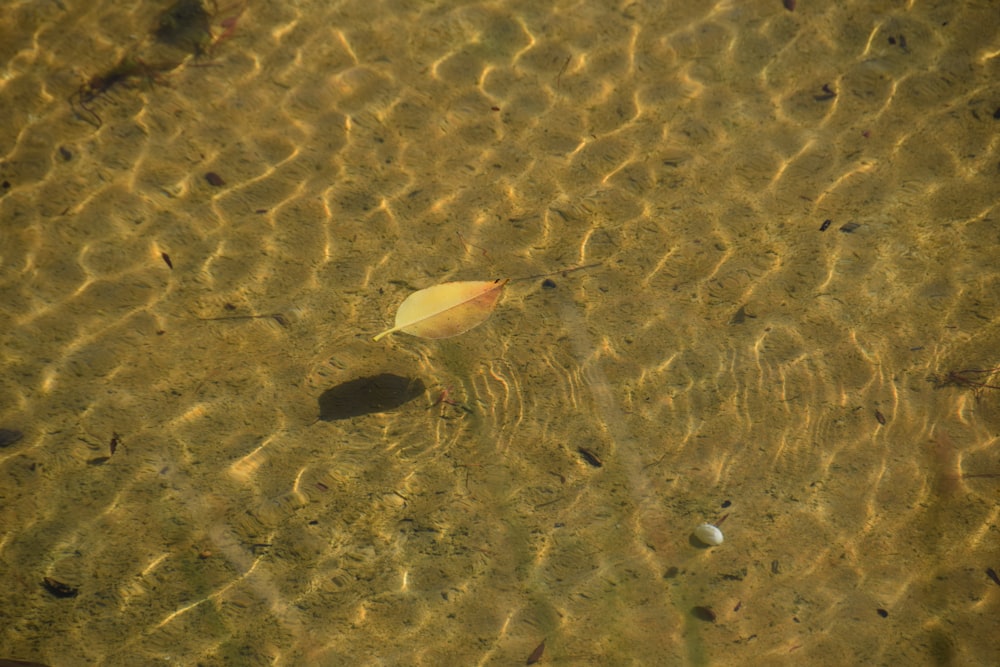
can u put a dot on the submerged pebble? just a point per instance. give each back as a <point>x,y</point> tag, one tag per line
<point>708,534</point>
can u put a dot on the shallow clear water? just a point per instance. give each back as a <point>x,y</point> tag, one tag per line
<point>731,359</point>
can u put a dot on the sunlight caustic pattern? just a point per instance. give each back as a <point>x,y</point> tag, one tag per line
<point>791,328</point>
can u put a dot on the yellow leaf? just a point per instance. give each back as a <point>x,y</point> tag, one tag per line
<point>448,309</point>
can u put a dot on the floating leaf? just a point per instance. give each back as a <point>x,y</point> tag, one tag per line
<point>448,309</point>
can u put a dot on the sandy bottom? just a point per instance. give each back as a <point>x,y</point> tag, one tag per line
<point>792,330</point>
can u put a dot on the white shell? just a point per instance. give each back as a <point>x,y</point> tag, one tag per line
<point>708,534</point>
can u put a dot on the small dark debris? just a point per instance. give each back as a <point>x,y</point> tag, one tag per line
<point>548,283</point>
<point>671,573</point>
<point>536,655</point>
<point>365,395</point>
<point>704,614</point>
<point>261,211</point>
<point>590,457</point>
<point>740,316</point>
<point>494,108</point>
<point>115,441</point>
<point>739,605</point>
<point>828,94</point>
<point>66,153</point>
<point>788,4</point>
<point>882,612</point>
<point>826,225</point>
<point>996,114</point>
<point>5,185</point>
<point>214,179</point>
<point>880,417</point>
<point>849,227</point>
<point>726,503</point>
<point>10,662</point>
<point>775,567</point>
<point>166,258</point>
<point>8,436</point>
<point>59,589</point>
<point>98,460</point>
<point>992,574</point>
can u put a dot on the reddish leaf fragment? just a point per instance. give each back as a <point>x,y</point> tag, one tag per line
<point>214,179</point>
<point>536,655</point>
